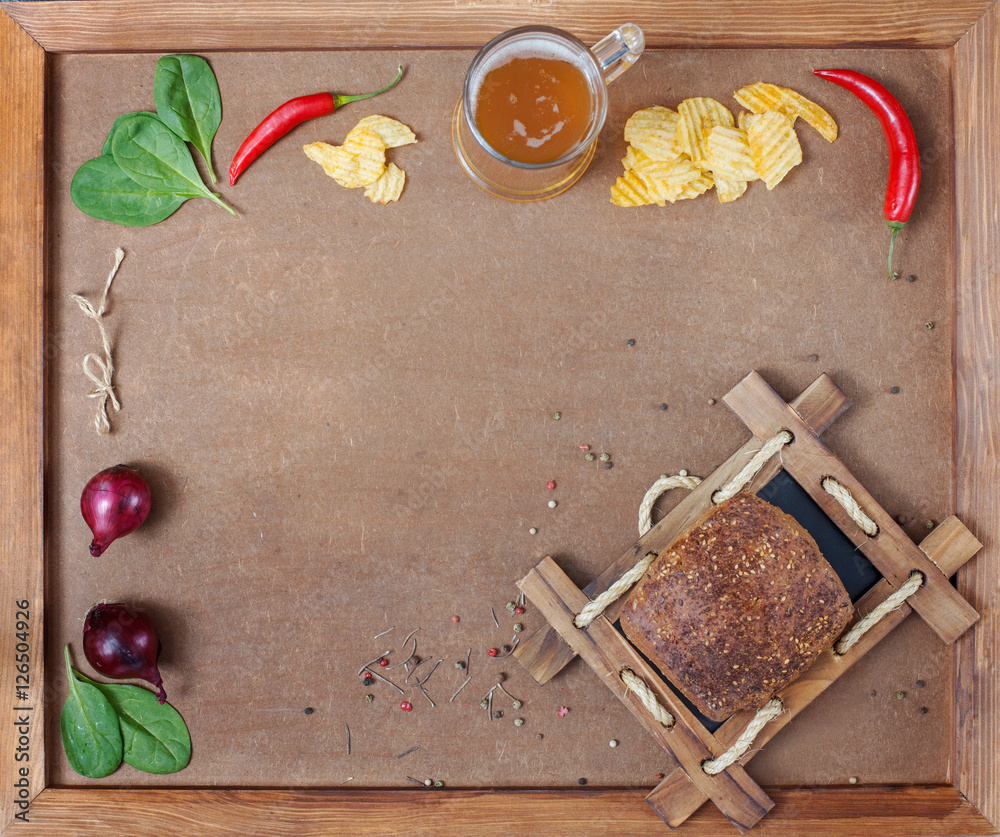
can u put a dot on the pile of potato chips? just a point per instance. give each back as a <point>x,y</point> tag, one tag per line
<point>673,155</point>
<point>360,161</point>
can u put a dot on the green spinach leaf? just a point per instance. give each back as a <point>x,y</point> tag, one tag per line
<point>106,148</point>
<point>102,190</point>
<point>156,739</point>
<point>155,157</point>
<point>90,731</point>
<point>187,99</point>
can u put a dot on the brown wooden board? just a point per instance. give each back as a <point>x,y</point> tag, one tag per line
<point>237,340</point>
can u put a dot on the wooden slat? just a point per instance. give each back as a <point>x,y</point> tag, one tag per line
<point>544,654</point>
<point>607,653</point>
<point>950,546</point>
<point>22,248</point>
<point>149,25</point>
<point>976,97</point>
<point>819,812</point>
<point>892,552</point>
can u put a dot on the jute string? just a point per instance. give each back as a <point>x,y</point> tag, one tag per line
<point>105,369</point>
<point>846,499</point>
<point>850,639</point>
<point>771,710</point>
<point>637,685</point>
<point>749,471</point>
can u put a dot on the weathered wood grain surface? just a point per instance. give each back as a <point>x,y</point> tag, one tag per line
<point>137,25</point>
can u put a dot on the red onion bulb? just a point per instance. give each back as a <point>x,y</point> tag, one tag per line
<point>121,642</point>
<point>114,503</point>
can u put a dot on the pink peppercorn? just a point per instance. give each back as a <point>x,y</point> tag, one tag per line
<point>584,447</point>
<point>454,618</point>
<point>383,662</point>
<point>551,484</point>
<point>492,652</point>
<point>518,610</point>
<point>406,706</point>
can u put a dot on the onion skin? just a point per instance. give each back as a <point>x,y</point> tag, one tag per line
<point>121,642</point>
<point>114,502</point>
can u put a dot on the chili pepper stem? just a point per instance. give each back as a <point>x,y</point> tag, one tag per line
<point>343,100</point>
<point>895,227</point>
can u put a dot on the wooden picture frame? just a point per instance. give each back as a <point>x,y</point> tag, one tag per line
<point>969,30</point>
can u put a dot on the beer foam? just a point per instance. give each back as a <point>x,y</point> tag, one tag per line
<point>529,47</point>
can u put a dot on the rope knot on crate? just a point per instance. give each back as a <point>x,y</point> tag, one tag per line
<point>105,368</point>
<point>851,638</point>
<point>850,505</point>
<point>647,698</point>
<point>771,710</point>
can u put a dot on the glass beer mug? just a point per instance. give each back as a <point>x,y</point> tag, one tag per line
<point>534,101</point>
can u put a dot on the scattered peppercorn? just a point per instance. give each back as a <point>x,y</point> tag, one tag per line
<point>894,390</point>
<point>428,782</point>
<point>484,703</point>
<point>439,784</point>
<point>550,485</point>
<point>921,684</point>
<point>929,524</point>
<point>518,610</point>
<point>368,679</point>
<point>900,695</point>
<point>511,606</point>
<point>308,710</point>
<point>911,278</point>
<point>369,698</point>
<point>711,402</point>
<point>923,710</point>
<point>505,649</point>
<point>406,706</point>
<point>608,466</point>
<point>532,531</point>
<point>605,457</point>
<point>539,736</point>
<point>492,652</point>
<point>853,780</point>
<point>498,714</point>
<point>589,457</point>
<point>658,776</point>
<point>518,704</point>
<point>519,722</point>
<point>813,358</point>
<point>612,743</point>
<point>557,415</point>
<point>552,504</point>
<point>663,407</point>
<point>631,341</point>
<point>581,781</point>
<point>518,627</point>
<point>383,662</point>
<point>455,619</point>
<point>460,665</point>
<point>930,324</point>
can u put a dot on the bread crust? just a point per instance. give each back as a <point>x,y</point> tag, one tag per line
<point>737,608</point>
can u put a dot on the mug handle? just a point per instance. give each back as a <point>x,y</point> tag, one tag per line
<point>619,50</point>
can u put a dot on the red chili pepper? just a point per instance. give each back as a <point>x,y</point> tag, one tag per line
<point>291,113</point>
<point>904,158</point>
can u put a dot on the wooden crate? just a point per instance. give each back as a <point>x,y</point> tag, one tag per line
<point>969,32</point>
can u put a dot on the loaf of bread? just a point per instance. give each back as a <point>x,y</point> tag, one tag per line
<point>737,608</point>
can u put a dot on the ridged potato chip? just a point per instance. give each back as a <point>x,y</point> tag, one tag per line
<point>693,188</point>
<point>727,153</point>
<point>774,146</point>
<point>359,162</point>
<point>697,117</point>
<point>632,190</point>
<point>388,187</point>
<point>729,190</point>
<point>761,97</point>
<point>653,131</point>
<point>392,132</point>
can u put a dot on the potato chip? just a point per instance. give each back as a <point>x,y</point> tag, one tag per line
<point>774,146</point>
<point>632,190</point>
<point>388,187</point>
<point>693,188</point>
<point>653,131</point>
<point>359,162</point>
<point>697,117</point>
<point>729,190</point>
<point>727,153</point>
<point>392,132</point>
<point>761,97</point>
